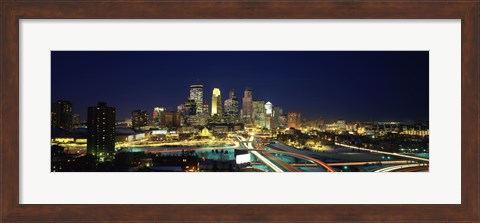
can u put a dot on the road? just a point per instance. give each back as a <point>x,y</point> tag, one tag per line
<point>259,156</point>
<point>298,155</point>
<point>372,163</point>
<point>400,167</point>
<point>383,152</point>
<point>279,162</point>
<point>275,161</point>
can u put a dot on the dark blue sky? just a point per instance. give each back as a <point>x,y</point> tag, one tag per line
<point>350,85</point>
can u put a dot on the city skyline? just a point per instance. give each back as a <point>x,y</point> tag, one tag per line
<point>411,93</point>
<point>285,111</point>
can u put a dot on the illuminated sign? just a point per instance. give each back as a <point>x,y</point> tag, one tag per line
<point>159,132</point>
<point>242,158</point>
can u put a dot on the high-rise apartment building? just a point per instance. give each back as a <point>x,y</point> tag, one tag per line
<point>76,120</point>
<point>101,132</point>
<point>62,114</point>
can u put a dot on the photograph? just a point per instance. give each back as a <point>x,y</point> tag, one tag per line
<point>239,111</point>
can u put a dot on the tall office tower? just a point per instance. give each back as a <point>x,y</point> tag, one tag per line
<point>294,120</point>
<point>231,108</point>
<point>247,105</point>
<point>101,132</point>
<point>269,108</point>
<point>139,118</point>
<point>216,102</point>
<point>196,94</point>
<point>190,107</point>
<point>269,115</point>
<point>277,112</point>
<point>157,111</point>
<point>258,113</point>
<point>182,113</point>
<point>203,117</point>
<point>171,119</point>
<point>62,115</point>
<point>190,116</point>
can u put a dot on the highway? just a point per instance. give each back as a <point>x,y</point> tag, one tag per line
<point>278,164</point>
<point>284,165</point>
<point>382,152</point>
<point>260,156</point>
<point>316,161</point>
<point>399,167</point>
<point>361,163</point>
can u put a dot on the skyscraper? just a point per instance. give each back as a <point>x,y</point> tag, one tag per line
<point>231,108</point>
<point>139,118</point>
<point>190,115</point>
<point>190,107</point>
<point>259,113</point>
<point>269,115</point>
<point>170,119</point>
<point>101,132</point>
<point>294,120</point>
<point>277,112</point>
<point>196,94</point>
<point>157,111</point>
<point>269,108</point>
<point>247,105</point>
<point>62,113</point>
<point>216,102</point>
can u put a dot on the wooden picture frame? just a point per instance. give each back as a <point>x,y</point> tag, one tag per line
<point>12,11</point>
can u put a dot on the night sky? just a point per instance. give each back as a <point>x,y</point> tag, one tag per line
<point>365,86</point>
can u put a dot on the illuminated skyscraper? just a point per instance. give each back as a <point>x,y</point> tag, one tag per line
<point>247,105</point>
<point>62,113</point>
<point>196,94</point>
<point>231,108</point>
<point>216,102</point>
<point>190,115</point>
<point>101,132</point>
<point>190,107</point>
<point>258,113</point>
<point>269,108</point>
<point>294,120</point>
<point>139,118</point>
<point>157,111</point>
<point>269,115</point>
